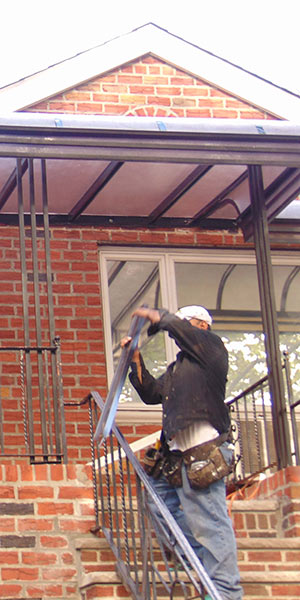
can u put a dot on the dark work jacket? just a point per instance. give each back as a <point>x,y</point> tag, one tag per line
<point>193,387</point>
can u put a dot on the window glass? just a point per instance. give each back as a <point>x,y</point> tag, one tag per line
<point>132,283</point>
<point>230,293</point>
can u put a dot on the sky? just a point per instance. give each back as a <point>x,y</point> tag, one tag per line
<point>261,36</point>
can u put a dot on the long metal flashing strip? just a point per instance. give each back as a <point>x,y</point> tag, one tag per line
<point>163,155</point>
<point>157,147</point>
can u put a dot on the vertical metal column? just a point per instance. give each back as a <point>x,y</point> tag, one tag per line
<point>58,404</point>
<point>269,316</point>
<point>25,305</point>
<point>38,324</point>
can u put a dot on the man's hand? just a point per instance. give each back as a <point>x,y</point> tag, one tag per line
<point>136,355</point>
<point>125,341</point>
<point>148,313</point>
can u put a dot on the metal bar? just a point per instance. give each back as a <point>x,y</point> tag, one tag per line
<point>37,306</point>
<point>201,154</point>
<point>267,442</point>
<point>61,408</point>
<point>273,198</point>
<point>25,306</point>
<point>269,317</point>
<point>214,203</point>
<point>178,192</point>
<point>223,280</point>
<point>47,394</point>
<point>56,387</point>
<point>11,183</point>
<point>286,287</point>
<point>107,417</point>
<point>28,348</point>
<point>154,139</point>
<point>24,406</point>
<point>94,189</point>
<point>292,406</point>
<point>94,475</point>
<point>131,517</point>
<point>256,432</point>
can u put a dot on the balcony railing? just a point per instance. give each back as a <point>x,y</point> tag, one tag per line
<point>32,423</point>
<point>252,427</point>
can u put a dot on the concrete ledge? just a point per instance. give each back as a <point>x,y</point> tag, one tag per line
<point>267,543</point>
<point>256,577</point>
<point>270,577</point>
<point>253,505</point>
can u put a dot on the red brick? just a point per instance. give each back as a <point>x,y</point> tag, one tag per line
<point>54,591</point>
<point>7,524</point>
<point>33,492</point>
<point>62,574</point>
<point>55,508</point>
<point>39,558</point>
<point>8,557</point>
<point>62,106</point>
<point>78,525</point>
<point>54,541</point>
<point>35,524</point>
<point>7,492</point>
<point>10,590</point>
<point>22,573</point>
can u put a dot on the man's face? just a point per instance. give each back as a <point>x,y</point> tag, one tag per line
<point>198,323</point>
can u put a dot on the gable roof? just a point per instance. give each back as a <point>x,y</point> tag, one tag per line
<point>150,39</point>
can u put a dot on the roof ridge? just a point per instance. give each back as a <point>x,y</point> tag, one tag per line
<point>177,36</point>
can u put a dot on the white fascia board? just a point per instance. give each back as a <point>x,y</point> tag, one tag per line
<point>231,79</point>
<point>72,72</point>
<point>167,47</point>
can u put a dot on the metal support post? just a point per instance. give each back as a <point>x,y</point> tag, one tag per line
<point>269,316</point>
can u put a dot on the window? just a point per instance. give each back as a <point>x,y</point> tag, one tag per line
<point>225,282</point>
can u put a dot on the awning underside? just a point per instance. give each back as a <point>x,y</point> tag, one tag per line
<point>107,173</point>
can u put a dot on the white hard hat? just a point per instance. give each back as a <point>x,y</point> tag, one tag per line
<point>194,312</point>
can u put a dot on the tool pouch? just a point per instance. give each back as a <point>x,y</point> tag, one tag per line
<point>205,464</point>
<point>153,462</point>
<point>167,463</point>
<point>172,468</point>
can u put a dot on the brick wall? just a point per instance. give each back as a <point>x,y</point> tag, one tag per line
<point>42,510</point>
<point>150,87</point>
<point>284,485</point>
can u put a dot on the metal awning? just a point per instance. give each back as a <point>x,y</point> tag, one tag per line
<point>146,172</point>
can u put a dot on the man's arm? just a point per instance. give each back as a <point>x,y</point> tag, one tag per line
<point>148,388</point>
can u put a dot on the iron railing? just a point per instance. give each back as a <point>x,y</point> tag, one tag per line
<point>152,554</point>
<point>252,427</point>
<point>32,422</point>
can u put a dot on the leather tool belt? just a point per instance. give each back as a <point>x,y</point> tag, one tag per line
<point>204,463</point>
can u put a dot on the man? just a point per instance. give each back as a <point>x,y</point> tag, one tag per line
<point>192,392</point>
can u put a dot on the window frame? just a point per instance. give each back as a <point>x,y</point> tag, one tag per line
<point>166,258</point>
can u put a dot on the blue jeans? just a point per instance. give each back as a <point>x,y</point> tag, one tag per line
<point>203,518</point>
